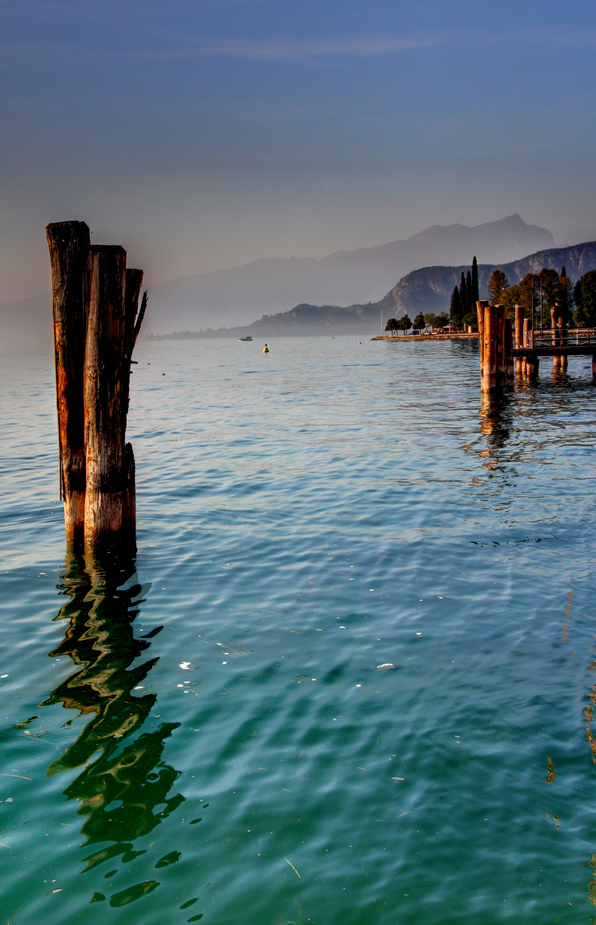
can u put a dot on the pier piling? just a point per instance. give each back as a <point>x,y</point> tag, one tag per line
<point>495,346</point>
<point>95,305</point>
<point>519,331</point>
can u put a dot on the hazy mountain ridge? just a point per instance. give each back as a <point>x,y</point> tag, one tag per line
<point>426,290</point>
<point>349,277</point>
<point>238,295</point>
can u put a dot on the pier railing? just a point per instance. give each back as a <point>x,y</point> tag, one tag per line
<point>549,337</point>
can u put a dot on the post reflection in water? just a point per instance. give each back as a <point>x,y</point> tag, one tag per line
<point>129,771</point>
<point>495,424</point>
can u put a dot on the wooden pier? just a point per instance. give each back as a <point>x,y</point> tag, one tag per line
<point>506,350</point>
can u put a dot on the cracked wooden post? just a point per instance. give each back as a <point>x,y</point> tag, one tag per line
<point>68,243</point>
<point>94,344</point>
<point>519,334</point>
<point>501,346</point>
<point>489,361</point>
<point>531,365</point>
<point>509,348</point>
<point>480,314</point>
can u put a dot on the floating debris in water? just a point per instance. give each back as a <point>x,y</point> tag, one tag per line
<point>385,666</point>
<point>185,666</point>
<point>293,868</point>
<point>398,778</point>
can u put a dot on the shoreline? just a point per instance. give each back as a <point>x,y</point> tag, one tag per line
<point>403,337</point>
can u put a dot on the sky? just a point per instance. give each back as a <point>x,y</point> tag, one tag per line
<point>202,134</point>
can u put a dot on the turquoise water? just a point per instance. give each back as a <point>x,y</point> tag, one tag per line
<point>211,735</point>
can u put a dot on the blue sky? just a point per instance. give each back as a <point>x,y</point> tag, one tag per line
<point>200,135</point>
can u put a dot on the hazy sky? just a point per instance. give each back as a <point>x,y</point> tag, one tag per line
<point>200,134</point>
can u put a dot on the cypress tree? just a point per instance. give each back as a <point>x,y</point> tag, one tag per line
<point>455,312</point>
<point>475,290</point>
<point>469,292</point>
<point>463,294</point>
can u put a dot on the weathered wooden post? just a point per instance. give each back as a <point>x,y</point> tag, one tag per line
<point>519,333</point>
<point>490,359</point>
<point>558,337</point>
<point>509,348</point>
<point>501,346</point>
<point>69,246</point>
<point>480,314</point>
<point>95,310</point>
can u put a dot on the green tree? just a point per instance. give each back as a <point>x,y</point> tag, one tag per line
<point>405,324</point>
<point>463,294</point>
<point>548,282</point>
<point>564,297</point>
<point>496,286</point>
<point>392,325</point>
<point>585,300</point>
<point>528,293</point>
<point>470,303</point>
<point>455,311</point>
<point>475,289</point>
<point>419,322</point>
<point>510,298</point>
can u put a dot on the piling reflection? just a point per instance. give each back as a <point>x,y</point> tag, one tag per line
<point>120,790</point>
<point>495,426</point>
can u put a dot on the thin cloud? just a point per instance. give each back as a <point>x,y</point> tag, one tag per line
<point>279,50</point>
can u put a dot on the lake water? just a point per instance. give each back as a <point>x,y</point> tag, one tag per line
<point>213,737</point>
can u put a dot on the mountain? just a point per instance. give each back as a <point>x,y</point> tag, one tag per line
<point>237,296</point>
<point>425,290</point>
<point>429,289</point>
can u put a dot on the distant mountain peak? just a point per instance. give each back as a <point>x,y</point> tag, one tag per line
<point>272,285</point>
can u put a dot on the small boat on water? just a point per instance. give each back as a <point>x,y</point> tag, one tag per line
<point>245,338</point>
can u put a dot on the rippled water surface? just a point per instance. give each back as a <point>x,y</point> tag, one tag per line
<point>214,737</point>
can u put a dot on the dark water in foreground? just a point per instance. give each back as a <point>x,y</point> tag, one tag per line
<point>211,738</point>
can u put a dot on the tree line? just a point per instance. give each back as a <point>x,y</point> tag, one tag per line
<point>427,320</point>
<point>538,293</point>
<point>462,311</point>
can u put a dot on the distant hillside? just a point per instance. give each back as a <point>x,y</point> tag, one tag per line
<point>426,290</point>
<point>429,289</point>
<point>238,295</point>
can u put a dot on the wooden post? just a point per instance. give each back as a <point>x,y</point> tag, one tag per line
<point>94,345</point>
<point>501,346</point>
<point>489,363</point>
<point>68,243</point>
<point>555,337</point>
<point>480,306</point>
<point>509,348</point>
<point>519,333</point>
<point>104,394</point>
